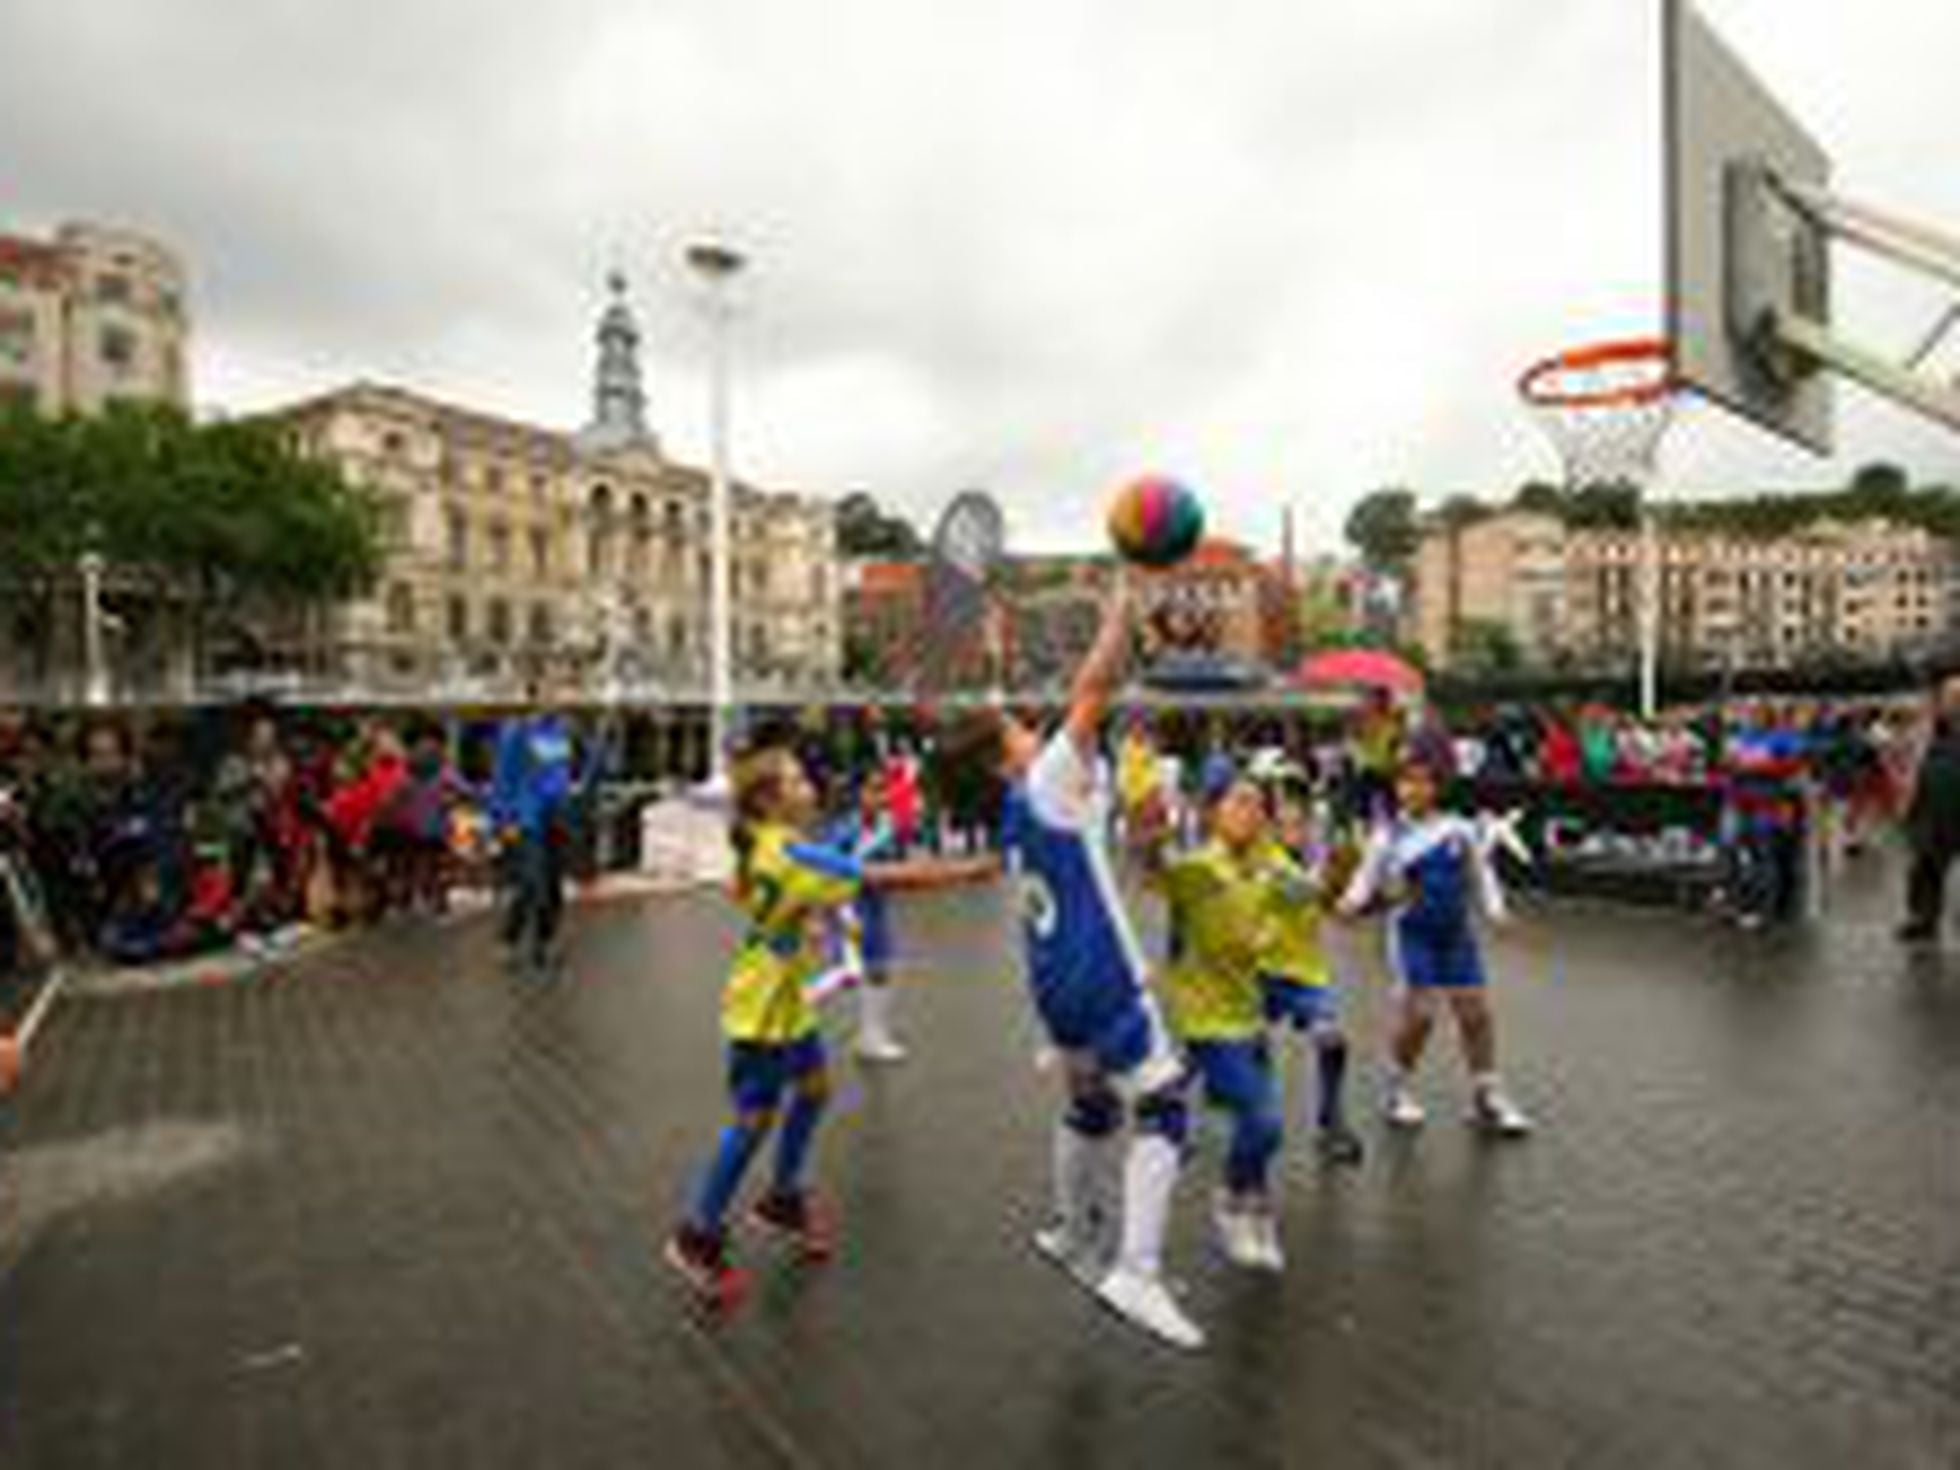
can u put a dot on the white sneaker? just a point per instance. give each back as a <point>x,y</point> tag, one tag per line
<point>1404,1109</point>
<point>1147,1302</point>
<point>1238,1232</point>
<point>879,1047</point>
<point>1265,1239</point>
<point>1077,1257</point>
<point>1494,1112</point>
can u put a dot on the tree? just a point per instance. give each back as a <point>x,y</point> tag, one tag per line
<point>1382,527</point>
<point>1880,483</point>
<point>226,519</point>
<point>1540,498</point>
<point>866,531</point>
<point>1604,507</point>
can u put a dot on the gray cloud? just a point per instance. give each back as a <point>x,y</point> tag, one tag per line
<point>1292,252</point>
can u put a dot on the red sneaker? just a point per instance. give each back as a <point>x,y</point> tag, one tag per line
<point>701,1259</point>
<point>799,1219</point>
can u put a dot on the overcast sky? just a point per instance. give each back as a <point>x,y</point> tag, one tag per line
<point>1288,251</point>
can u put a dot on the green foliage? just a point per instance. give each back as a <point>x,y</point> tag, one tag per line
<point>218,513</point>
<point>865,530</point>
<point>1877,491</point>
<point>1383,528</point>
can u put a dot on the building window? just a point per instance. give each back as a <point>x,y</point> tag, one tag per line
<point>459,618</point>
<point>676,637</point>
<point>541,622</point>
<point>393,444</point>
<point>401,609</point>
<point>112,289</point>
<point>642,626</point>
<point>499,547</point>
<point>540,489</point>
<point>459,541</point>
<point>499,621</point>
<point>118,348</point>
<point>540,552</point>
<point>493,479</point>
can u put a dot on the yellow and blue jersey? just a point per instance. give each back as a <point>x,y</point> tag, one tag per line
<point>1295,950</point>
<point>790,882</point>
<point>1218,905</point>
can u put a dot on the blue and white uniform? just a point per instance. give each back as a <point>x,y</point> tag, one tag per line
<point>1429,870</point>
<point>1085,968</point>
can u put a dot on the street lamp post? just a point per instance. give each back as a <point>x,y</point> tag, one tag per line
<point>95,688</point>
<point>717,264</point>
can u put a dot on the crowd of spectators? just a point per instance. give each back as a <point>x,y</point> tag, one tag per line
<point>162,837</point>
<point>178,836</point>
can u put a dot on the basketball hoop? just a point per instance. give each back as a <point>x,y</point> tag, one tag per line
<point>1605,408</point>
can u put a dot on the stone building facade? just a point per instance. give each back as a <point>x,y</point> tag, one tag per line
<point>1866,590</point>
<point>92,316</point>
<point>518,556</point>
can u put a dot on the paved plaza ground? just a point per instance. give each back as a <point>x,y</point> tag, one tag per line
<point>393,1207</point>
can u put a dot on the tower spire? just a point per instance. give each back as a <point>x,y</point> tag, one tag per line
<point>618,401</point>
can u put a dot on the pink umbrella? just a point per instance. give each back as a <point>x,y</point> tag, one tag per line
<point>1359,668</point>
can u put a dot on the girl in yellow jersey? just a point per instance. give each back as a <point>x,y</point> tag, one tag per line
<point>1297,979</point>
<point>784,883</point>
<point>1218,897</point>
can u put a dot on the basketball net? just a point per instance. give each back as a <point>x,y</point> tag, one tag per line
<point>1606,409</point>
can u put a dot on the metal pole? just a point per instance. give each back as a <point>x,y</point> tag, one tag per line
<point>1650,612</point>
<point>716,264</point>
<point>95,687</point>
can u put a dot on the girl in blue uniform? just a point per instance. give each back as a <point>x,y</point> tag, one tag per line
<point>1086,975</point>
<point>1424,865</point>
<point>869,835</point>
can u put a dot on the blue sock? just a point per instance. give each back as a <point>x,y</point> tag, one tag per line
<point>738,1144</point>
<point>1330,1074</point>
<point>793,1146</point>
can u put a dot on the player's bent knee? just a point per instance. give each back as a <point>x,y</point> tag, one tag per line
<point>1165,1114</point>
<point>1263,1133</point>
<point>1095,1114</point>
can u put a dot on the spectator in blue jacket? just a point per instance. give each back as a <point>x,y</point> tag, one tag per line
<point>534,788</point>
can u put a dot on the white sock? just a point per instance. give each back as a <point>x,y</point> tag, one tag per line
<point>1107,1157</point>
<point>1149,1177</point>
<point>875,1012</point>
<point>1484,1083</point>
<point>1075,1182</point>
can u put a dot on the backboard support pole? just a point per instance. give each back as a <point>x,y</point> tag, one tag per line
<point>1917,391</point>
<point>1908,244</point>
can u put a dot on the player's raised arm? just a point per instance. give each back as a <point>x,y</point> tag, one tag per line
<point>1370,876</point>
<point>1490,887</point>
<point>1101,672</point>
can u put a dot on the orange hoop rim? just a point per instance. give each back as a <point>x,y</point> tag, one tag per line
<point>1544,384</point>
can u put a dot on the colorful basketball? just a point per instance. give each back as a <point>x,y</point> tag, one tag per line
<point>1155,521</point>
